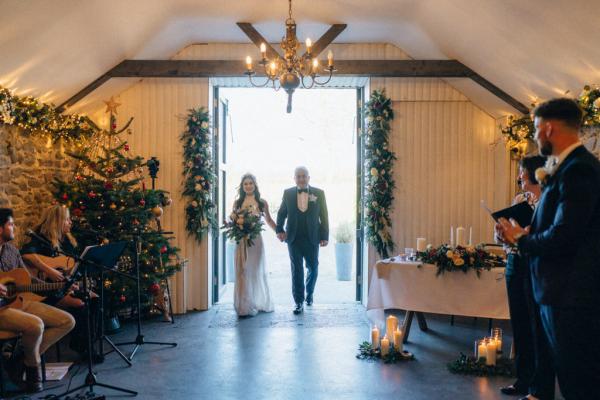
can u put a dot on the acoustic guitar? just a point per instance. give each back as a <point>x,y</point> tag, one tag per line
<point>19,286</point>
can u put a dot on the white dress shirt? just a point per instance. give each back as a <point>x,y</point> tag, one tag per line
<point>302,199</point>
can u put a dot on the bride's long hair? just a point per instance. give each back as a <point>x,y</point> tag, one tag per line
<point>242,195</point>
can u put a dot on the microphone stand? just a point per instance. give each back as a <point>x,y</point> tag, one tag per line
<point>139,340</point>
<point>90,379</point>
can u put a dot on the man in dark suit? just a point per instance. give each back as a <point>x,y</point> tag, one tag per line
<point>563,246</point>
<point>307,228</point>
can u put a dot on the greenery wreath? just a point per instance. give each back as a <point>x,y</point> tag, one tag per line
<point>198,173</point>
<point>379,162</point>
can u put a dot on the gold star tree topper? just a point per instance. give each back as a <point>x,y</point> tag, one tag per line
<point>111,105</point>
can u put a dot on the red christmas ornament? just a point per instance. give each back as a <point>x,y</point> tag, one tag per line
<point>78,177</point>
<point>163,250</point>
<point>82,207</point>
<point>77,212</point>
<point>65,196</point>
<point>108,186</point>
<point>136,222</point>
<point>142,202</point>
<point>109,170</point>
<point>91,194</point>
<point>122,299</point>
<point>114,126</point>
<point>154,288</point>
<point>126,147</point>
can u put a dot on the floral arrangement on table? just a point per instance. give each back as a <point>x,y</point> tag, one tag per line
<point>466,365</point>
<point>37,118</point>
<point>198,173</point>
<point>366,351</point>
<point>243,224</point>
<point>519,132</point>
<point>379,162</point>
<point>460,258</point>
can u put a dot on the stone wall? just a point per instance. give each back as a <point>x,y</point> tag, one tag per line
<point>27,168</point>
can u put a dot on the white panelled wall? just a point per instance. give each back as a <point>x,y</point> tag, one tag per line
<point>445,166</point>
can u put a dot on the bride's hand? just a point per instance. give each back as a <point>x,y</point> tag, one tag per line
<point>281,236</point>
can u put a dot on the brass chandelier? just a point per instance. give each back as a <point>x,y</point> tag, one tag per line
<point>291,69</point>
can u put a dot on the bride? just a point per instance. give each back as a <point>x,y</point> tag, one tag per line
<point>251,293</point>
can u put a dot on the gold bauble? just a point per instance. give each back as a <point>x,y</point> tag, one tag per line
<point>113,206</point>
<point>157,211</point>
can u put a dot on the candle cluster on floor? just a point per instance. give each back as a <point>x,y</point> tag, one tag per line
<point>489,349</point>
<point>389,347</point>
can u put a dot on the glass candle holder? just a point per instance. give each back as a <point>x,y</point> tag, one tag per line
<point>480,349</point>
<point>496,334</point>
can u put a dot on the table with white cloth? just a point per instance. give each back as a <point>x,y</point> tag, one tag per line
<point>415,287</point>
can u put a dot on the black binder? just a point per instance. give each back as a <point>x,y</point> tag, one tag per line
<point>520,212</point>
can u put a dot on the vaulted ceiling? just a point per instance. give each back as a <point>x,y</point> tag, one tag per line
<point>530,49</point>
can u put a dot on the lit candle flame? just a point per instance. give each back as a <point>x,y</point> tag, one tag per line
<point>249,63</point>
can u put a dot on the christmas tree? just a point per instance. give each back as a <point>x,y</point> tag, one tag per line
<point>109,202</point>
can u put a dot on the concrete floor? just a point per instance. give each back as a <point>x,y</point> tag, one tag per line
<point>282,356</point>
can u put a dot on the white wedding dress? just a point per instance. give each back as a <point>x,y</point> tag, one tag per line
<point>251,291</point>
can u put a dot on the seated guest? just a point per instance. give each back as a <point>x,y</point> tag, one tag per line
<point>39,325</point>
<point>55,228</point>
<point>533,363</point>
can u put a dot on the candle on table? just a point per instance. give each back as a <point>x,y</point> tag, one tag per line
<point>470,236</point>
<point>490,357</point>
<point>375,338</point>
<point>421,244</point>
<point>460,236</point>
<point>452,236</point>
<point>398,340</point>
<point>385,346</point>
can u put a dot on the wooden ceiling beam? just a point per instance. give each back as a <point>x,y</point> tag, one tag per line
<point>258,39</point>
<point>234,68</point>
<point>326,39</point>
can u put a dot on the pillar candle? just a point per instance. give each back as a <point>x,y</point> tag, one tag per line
<point>398,340</point>
<point>452,236</point>
<point>490,357</point>
<point>460,236</point>
<point>391,324</point>
<point>470,236</point>
<point>375,338</point>
<point>421,244</point>
<point>481,350</point>
<point>385,346</point>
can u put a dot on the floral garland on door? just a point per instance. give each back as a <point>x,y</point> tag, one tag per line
<point>37,118</point>
<point>379,164</point>
<point>198,173</point>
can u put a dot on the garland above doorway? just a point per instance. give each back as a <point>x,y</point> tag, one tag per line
<point>379,173</point>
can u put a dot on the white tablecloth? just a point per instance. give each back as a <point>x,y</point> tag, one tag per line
<point>405,286</point>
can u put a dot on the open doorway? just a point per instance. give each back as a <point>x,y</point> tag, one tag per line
<point>257,135</point>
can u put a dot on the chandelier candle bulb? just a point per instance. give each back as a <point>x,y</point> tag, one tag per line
<point>308,45</point>
<point>421,244</point>
<point>460,236</point>
<point>315,64</point>
<point>375,338</point>
<point>263,50</point>
<point>398,340</point>
<point>249,63</point>
<point>330,58</point>
<point>385,346</point>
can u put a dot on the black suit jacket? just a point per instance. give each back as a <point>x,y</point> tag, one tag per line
<point>317,218</point>
<point>564,242</point>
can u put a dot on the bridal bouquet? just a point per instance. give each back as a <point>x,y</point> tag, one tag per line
<point>243,225</point>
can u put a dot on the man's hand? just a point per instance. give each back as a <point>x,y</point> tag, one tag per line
<point>281,236</point>
<point>3,290</point>
<point>323,243</point>
<point>510,231</point>
<point>54,275</point>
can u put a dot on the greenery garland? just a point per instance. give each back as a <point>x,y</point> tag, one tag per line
<point>366,352</point>
<point>198,173</point>
<point>465,365</point>
<point>459,258</point>
<point>519,133</point>
<point>43,119</point>
<point>379,179</point>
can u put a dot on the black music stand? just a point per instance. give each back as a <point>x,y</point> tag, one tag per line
<point>139,340</point>
<point>103,258</point>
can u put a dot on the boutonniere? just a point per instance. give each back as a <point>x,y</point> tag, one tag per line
<point>312,197</point>
<point>542,175</point>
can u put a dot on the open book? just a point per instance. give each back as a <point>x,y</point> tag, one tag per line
<point>520,212</point>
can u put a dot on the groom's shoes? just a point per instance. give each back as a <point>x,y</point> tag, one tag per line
<point>298,309</point>
<point>309,301</point>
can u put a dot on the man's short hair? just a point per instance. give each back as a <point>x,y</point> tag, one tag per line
<point>5,214</point>
<point>562,109</point>
<point>301,169</point>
